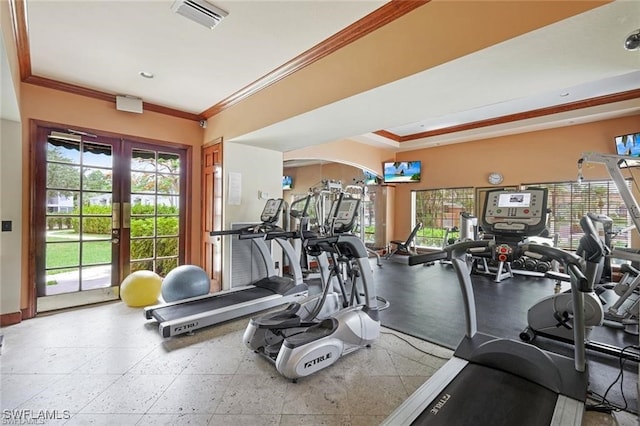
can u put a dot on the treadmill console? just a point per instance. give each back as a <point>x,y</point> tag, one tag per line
<point>515,213</point>
<point>271,212</point>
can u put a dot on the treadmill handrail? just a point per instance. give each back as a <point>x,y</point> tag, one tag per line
<point>260,228</point>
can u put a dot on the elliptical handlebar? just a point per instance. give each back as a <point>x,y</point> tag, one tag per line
<point>434,256</point>
<point>453,250</point>
<point>248,232</point>
<point>572,262</point>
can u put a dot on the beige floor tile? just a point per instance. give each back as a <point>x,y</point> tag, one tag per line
<point>315,420</point>
<point>217,359</point>
<point>244,420</point>
<point>366,420</point>
<point>248,394</point>
<point>174,419</point>
<point>160,361</point>
<point>16,389</point>
<point>72,393</point>
<point>374,395</point>
<point>408,367</point>
<point>104,419</point>
<point>323,393</point>
<point>254,363</point>
<point>114,361</point>
<point>114,368</point>
<point>51,360</point>
<point>412,383</point>
<point>371,361</point>
<point>130,394</point>
<point>192,394</point>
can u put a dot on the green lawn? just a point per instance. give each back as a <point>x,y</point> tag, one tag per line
<point>64,252</point>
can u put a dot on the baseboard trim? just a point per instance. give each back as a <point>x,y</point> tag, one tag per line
<point>10,319</point>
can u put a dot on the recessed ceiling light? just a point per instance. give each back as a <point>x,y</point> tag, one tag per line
<point>564,94</point>
<point>146,74</point>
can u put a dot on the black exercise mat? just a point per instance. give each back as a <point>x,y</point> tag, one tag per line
<point>426,302</point>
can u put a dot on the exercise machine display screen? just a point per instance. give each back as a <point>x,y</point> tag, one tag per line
<point>271,210</point>
<point>344,218</point>
<point>516,213</point>
<point>347,210</point>
<point>516,199</point>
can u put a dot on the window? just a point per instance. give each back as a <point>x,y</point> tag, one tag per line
<point>570,201</point>
<point>439,210</point>
<point>369,218</point>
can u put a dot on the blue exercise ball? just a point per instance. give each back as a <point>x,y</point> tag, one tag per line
<point>184,282</point>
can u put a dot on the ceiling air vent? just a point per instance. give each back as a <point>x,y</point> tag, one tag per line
<point>200,11</point>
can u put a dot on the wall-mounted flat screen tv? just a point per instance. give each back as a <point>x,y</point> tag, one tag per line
<point>287,182</point>
<point>402,171</point>
<point>628,145</point>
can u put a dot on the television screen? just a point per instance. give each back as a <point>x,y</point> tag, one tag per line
<point>402,171</point>
<point>287,182</point>
<point>628,145</point>
<point>370,178</point>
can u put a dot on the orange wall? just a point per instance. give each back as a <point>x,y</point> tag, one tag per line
<point>38,103</point>
<point>408,45</point>
<point>535,157</point>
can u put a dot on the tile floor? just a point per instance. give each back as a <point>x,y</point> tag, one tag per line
<point>106,365</point>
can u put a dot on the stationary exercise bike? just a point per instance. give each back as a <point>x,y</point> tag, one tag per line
<point>553,315</point>
<point>298,341</point>
<point>620,300</point>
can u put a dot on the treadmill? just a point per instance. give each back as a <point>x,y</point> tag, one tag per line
<point>497,381</point>
<point>190,314</point>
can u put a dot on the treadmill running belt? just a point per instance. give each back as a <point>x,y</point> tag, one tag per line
<point>481,395</point>
<point>216,301</point>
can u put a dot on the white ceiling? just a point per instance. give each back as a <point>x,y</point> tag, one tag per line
<point>582,56</point>
<point>103,45</point>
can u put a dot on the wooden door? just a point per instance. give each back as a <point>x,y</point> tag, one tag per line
<point>212,213</point>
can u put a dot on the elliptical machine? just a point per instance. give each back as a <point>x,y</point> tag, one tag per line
<point>301,341</point>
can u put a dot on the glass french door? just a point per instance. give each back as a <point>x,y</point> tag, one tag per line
<point>152,206</point>
<point>104,207</point>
